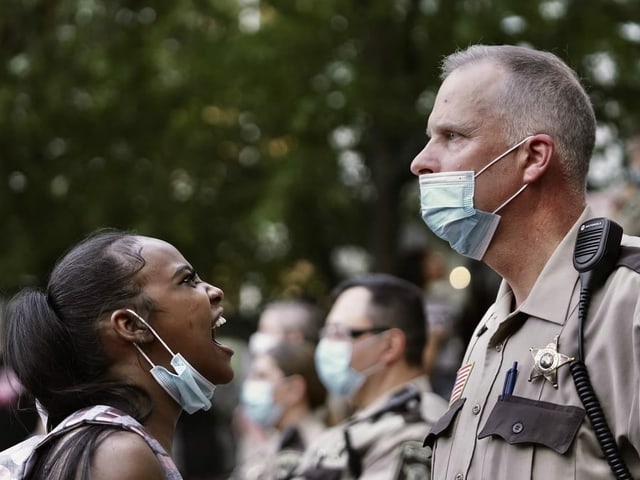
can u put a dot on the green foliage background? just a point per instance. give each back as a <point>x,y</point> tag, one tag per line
<point>258,152</point>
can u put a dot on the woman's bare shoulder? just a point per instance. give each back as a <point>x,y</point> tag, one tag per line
<point>125,455</point>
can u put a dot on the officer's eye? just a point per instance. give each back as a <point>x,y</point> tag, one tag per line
<point>452,135</point>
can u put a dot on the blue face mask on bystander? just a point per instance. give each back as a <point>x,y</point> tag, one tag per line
<point>256,397</point>
<point>332,359</point>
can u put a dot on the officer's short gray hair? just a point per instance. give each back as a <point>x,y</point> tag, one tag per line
<point>541,94</point>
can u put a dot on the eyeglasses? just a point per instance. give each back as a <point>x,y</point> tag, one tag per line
<point>336,331</point>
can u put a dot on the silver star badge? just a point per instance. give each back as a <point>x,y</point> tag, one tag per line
<point>546,362</point>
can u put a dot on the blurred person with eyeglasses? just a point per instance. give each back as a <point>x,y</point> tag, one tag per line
<point>370,352</point>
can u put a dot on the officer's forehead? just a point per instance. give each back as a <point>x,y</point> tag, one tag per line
<point>351,307</point>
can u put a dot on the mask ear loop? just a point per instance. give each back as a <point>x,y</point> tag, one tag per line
<point>377,366</point>
<point>510,198</point>
<point>155,335</point>
<point>497,160</point>
<point>502,156</point>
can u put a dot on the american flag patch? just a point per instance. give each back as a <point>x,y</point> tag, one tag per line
<point>461,380</point>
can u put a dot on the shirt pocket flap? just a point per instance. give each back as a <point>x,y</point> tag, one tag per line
<point>522,420</point>
<point>443,423</point>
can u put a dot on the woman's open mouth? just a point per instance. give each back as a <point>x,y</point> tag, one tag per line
<point>218,323</point>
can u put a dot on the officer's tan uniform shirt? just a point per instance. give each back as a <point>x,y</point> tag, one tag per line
<point>541,432</point>
<point>389,447</point>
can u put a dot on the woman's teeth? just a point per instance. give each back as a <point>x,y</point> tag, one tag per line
<point>221,321</point>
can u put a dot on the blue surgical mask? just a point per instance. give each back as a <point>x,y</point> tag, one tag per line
<point>446,205</point>
<point>256,398</point>
<point>187,386</point>
<point>333,359</point>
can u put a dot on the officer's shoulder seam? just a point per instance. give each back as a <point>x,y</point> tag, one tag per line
<point>630,258</point>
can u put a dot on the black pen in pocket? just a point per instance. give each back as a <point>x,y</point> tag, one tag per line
<point>510,380</point>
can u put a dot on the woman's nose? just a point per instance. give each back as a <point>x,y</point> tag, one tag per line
<point>215,294</point>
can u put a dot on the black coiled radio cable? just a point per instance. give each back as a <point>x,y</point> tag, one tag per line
<point>595,256</point>
<point>592,404</point>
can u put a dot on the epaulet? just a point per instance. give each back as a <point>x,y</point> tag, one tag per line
<point>403,401</point>
<point>630,258</point>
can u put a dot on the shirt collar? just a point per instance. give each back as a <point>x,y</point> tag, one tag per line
<point>551,294</point>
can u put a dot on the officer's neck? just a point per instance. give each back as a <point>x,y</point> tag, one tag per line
<point>383,382</point>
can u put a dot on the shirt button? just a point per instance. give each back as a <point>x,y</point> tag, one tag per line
<point>476,409</point>
<point>459,476</point>
<point>499,348</point>
<point>517,427</point>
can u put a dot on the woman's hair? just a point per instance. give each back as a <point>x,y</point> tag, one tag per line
<point>52,338</point>
<point>297,358</point>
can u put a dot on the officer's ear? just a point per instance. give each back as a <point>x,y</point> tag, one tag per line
<point>537,154</point>
<point>127,326</point>
<point>396,345</point>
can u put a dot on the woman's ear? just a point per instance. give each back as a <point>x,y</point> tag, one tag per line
<point>128,326</point>
<point>540,149</point>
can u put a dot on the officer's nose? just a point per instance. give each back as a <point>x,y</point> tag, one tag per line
<point>423,162</point>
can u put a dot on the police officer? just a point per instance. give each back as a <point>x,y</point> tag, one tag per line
<point>370,352</point>
<point>503,179</point>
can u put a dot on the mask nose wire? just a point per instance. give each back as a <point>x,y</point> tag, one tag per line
<point>155,334</point>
